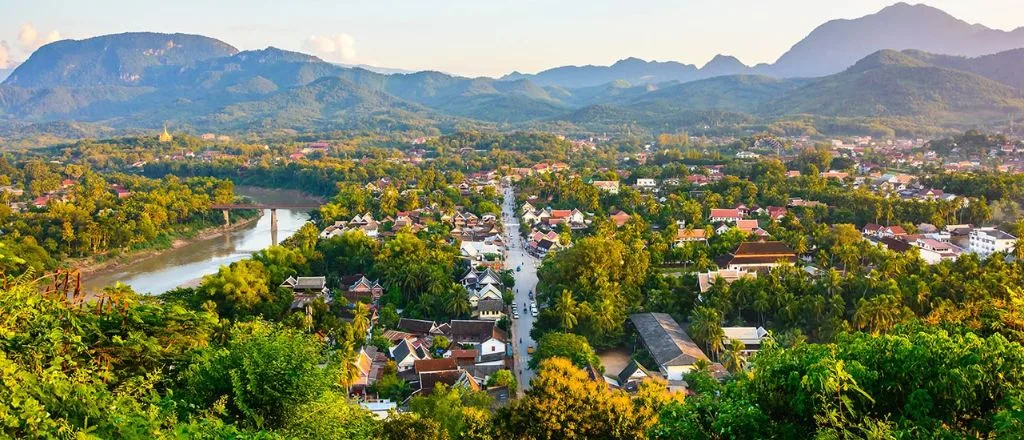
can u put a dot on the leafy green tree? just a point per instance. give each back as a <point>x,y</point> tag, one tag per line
<point>567,346</point>
<point>503,378</point>
<point>264,372</point>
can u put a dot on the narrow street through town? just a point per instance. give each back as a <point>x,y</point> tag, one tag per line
<point>524,267</point>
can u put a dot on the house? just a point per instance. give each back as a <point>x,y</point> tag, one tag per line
<point>419,327</point>
<point>892,231</point>
<point>707,279</point>
<point>646,184</point>
<point>725,215</point>
<point>620,218</point>
<point>452,378</point>
<point>760,255</point>
<point>305,290</point>
<point>463,358</point>
<point>832,174</point>
<point>934,251</point>
<point>476,279</point>
<point>431,365</point>
<point>632,375</point>
<point>404,355</point>
<point>670,346</point>
<point>987,241</point>
<point>485,335</point>
<point>776,212</point>
<point>489,309</point>
<point>478,250</point>
<point>358,286</point>
<point>690,235</point>
<point>608,186</point>
<point>752,337</point>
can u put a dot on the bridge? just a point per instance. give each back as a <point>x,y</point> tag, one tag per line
<point>226,208</point>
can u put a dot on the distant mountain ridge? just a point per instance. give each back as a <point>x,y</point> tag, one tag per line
<point>828,49</point>
<point>114,60</point>
<point>144,80</point>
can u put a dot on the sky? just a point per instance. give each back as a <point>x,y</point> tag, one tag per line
<point>470,37</point>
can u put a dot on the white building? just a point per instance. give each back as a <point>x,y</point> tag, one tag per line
<point>986,241</point>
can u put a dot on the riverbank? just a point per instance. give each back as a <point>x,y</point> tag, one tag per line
<point>91,266</point>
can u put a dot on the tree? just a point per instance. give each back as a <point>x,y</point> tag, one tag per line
<point>503,378</point>
<point>706,326</point>
<point>238,289</point>
<point>567,346</point>
<point>565,310</point>
<point>563,403</point>
<point>405,426</point>
<point>456,409</point>
<point>734,359</point>
<point>361,320</point>
<point>264,372</point>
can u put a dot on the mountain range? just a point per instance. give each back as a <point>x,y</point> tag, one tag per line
<point>828,49</point>
<point>145,80</point>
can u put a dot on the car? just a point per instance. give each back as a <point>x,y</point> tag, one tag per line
<point>515,314</point>
<point>533,312</point>
<point>530,349</point>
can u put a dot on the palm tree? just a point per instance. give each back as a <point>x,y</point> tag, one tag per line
<point>565,309</point>
<point>361,320</point>
<point>458,303</point>
<point>605,315</point>
<point>349,371</point>
<point>706,325</point>
<point>734,360</point>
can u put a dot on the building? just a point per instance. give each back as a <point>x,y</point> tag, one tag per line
<point>987,241</point>
<point>305,290</point>
<point>483,334</point>
<point>725,215</point>
<point>752,337</point>
<point>608,186</point>
<point>359,287</point>
<point>620,218</point>
<point>708,279</point>
<point>690,235</point>
<point>670,346</point>
<point>760,255</point>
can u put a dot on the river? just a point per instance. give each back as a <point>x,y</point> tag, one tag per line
<point>186,265</point>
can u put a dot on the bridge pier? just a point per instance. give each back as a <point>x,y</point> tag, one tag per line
<point>273,226</point>
<point>227,219</point>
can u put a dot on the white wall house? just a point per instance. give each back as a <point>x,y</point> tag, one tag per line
<point>986,241</point>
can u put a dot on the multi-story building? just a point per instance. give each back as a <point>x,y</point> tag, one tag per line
<point>986,241</point>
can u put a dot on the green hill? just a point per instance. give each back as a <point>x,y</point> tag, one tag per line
<point>891,84</point>
<point>737,93</point>
<point>136,58</point>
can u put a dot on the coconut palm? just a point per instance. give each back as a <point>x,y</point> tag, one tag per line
<point>706,325</point>
<point>457,303</point>
<point>733,359</point>
<point>361,320</point>
<point>566,309</point>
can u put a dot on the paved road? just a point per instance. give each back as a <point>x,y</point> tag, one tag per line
<point>526,280</point>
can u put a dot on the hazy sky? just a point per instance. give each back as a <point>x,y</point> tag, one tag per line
<point>470,37</point>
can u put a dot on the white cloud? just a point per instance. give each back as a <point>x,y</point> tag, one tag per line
<point>31,39</point>
<point>5,55</point>
<point>338,47</point>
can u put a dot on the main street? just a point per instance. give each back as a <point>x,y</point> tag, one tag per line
<point>526,281</point>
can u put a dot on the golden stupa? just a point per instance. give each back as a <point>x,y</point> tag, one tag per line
<point>165,136</point>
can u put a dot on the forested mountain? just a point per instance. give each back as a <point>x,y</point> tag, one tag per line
<point>143,81</point>
<point>138,58</point>
<point>838,44</point>
<point>893,84</point>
